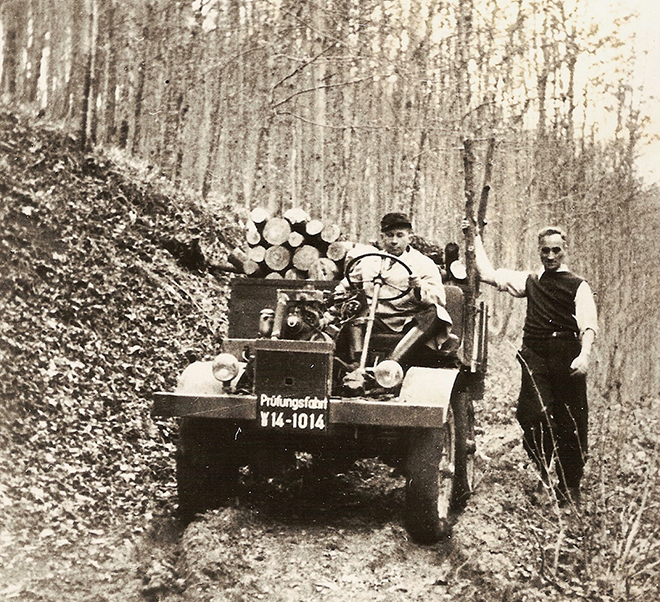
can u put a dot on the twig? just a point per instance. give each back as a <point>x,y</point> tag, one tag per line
<point>323,87</point>
<point>634,530</point>
<point>558,545</point>
<point>301,67</point>
<point>192,300</point>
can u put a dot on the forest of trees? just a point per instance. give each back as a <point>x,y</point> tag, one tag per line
<point>350,108</point>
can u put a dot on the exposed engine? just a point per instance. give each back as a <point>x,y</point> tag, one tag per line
<point>307,315</point>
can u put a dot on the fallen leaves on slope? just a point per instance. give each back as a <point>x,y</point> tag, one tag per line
<point>97,314</point>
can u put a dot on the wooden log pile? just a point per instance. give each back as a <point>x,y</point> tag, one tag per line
<point>292,246</point>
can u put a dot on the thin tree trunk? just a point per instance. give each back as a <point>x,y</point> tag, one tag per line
<point>11,21</point>
<point>87,79</point>
<point>110,75</point>
<point>319,72</point>
<point>470,292</point>
<point>142,74</point>
<point>96,72</point>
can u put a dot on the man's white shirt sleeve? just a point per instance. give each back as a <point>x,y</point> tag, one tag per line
<point>511,281</point>
<point>586,313</point>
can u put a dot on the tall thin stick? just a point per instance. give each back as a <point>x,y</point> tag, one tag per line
<point>472,276</point>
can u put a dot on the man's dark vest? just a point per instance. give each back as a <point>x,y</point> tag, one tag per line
<point>551,304</point>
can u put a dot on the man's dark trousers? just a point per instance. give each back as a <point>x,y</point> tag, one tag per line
<point>552,407</point>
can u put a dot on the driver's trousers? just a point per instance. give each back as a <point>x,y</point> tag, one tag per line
<point>419,331</point>
<point>552,408</point>
<point>422,336</point>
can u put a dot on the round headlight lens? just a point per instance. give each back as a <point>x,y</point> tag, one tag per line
<point>458,270</point>
<point>388,374</point>
<point>225,367</point>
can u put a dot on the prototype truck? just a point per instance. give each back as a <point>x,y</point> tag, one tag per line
<point>278,386</point>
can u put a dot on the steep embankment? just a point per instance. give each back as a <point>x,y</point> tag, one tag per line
<point>105,298</point>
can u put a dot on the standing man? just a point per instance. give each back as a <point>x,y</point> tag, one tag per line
<point>560,328</point>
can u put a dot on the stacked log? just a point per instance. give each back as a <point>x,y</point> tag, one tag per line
<point>296,247</point>
<point>292,246</point>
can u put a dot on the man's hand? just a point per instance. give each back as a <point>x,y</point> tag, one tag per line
<point>580,365</point>
<point>415,284</point>
<point>581,362</point>
<point>466,224</point>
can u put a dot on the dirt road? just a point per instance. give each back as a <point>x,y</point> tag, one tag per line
<point>298,538</point>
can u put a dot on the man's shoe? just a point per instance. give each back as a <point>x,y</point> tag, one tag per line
<point>568,497</point>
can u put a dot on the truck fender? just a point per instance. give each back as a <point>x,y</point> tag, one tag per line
<point>429,387</point>
<point>198,379</point>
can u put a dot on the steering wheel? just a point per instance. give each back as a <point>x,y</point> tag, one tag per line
<point>380,277</point>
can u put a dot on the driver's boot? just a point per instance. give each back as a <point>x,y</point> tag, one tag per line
<point>355,342</point>
<point>354,380</point>
<point>412,340</point>
<point>426,326</point>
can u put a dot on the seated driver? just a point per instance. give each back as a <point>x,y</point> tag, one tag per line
<point>419,316</point>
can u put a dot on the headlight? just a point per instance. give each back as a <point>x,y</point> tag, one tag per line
<point>458,270</point>
<point>388,374</point>
<point>225,367</point>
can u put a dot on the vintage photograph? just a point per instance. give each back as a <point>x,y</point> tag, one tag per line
<point>329,300</point>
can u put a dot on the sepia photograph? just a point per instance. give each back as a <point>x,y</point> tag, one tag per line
<point>329,300</point>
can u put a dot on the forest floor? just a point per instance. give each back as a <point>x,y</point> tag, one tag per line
<point>104,301</point>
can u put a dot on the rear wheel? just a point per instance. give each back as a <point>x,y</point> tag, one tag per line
<point>465,450</point>
<point>207,462</point>
<point>430,472</point>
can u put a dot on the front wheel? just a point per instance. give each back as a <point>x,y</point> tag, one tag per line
<point>207,463</point>
<point>430,472</point>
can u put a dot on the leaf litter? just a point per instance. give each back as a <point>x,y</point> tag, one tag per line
<point>98,312</point>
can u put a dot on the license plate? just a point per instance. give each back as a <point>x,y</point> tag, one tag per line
<point>295,414</point>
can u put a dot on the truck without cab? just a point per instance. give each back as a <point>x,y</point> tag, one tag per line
<point>279,386</point>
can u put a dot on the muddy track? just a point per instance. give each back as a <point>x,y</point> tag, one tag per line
<point>307,538</point>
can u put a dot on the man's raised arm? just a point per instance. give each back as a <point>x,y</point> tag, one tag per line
<point>510,281</point>
<point>484,266</point>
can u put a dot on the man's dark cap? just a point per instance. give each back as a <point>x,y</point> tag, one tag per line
<point>394,220</point>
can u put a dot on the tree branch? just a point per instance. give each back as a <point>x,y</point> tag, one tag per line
<point>301,67</point>
<point>323,87</point>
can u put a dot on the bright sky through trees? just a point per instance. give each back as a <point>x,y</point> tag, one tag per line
<point>646,43</point>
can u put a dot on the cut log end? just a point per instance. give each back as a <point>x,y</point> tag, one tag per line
<point>324,269</point>
<point>259,216</point>
<point>257,253</point>
<point>305,257</point>
<point>294,274</point>
<point>276,231</point>
<point>252,236</point>
<point>330,233</point>
<point>296,217</point>
<point>277,258</point>
<point>296,239</point>
<point>314,227</point>
<point>252,268</point>
<point>337,251</point>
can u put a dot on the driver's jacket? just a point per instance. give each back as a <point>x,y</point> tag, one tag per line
<point>396,313</point>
